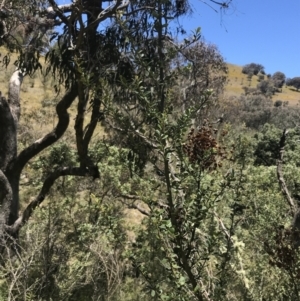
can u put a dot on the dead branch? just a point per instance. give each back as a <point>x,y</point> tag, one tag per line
<point>48,183</point>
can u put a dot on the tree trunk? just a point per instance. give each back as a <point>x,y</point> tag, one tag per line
<point>9,178</point>
<point>12,163</point>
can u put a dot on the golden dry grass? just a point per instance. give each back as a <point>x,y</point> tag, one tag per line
<point>37,89</point>
<point>34,91</point>
<point>237,80</point>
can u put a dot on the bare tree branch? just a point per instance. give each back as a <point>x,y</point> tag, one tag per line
<point>58,11</point>
<point>137,132</point>
<point>90,128</point>
<point>132,205</point>
<point>53,136</point>
<point>48,183</point>
<point>138,208</point>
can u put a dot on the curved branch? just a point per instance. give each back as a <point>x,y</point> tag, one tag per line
<point>90,128</point>
<point>48,183</point>
<point>133,205</point>
<point>81,109</point>
<point>59,10</point>
<point>50,138</point>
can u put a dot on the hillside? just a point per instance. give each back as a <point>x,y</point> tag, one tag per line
<point>237,80</point>
<point>39,87</point>
<point>34,89</point>
<point>210,197</point>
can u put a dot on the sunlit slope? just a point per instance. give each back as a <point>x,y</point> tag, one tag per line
<point>40,88</point>
<point>237,80</point>
<point>34,89</point>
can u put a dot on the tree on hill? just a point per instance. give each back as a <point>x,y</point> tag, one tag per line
<point>210,73</point>
<point>293,82</point>
<point>266,87</point>
<point>278,79</point>
<point>253,69</point>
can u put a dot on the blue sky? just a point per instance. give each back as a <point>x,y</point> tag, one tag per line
<point>266,32</point>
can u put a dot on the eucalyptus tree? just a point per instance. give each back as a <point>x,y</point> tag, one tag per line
<point>75,48</point>
<point>92,42</point>
<point>120,59</point>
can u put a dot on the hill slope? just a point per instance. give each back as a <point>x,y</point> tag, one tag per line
<point>237,80</point>
<point>39,88</point>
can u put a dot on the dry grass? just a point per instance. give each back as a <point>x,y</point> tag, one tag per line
<point>33,91</point>
<point>237,80</point>
<point>36,89</point>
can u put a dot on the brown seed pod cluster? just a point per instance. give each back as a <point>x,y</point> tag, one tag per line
<point>202,147</point>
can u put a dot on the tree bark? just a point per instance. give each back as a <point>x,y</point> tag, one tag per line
<point>9,117</point>
<point>12,163</point>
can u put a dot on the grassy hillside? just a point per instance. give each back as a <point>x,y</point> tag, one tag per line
<point>237,80</point>
<point>38,98</point>
<point>39,87</point>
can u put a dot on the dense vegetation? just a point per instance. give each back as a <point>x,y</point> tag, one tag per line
<point>136,179</point>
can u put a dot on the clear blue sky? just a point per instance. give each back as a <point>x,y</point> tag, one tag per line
<point>266,32</point>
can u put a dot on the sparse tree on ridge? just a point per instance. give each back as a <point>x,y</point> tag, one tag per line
<point>278,79</point>
<point>266,87</point>
<point>253,68</point>
<point>293,82</point>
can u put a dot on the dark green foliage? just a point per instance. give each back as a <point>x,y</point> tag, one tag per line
<point>278,103</point>
<point>285,116</point>
<point>188,206</point>
<point>293,82</point>
<point>255,110</point>
<point>278,79</point>
<point>266,87</point>
<point>267,147</point>
<point>253,69</point>
<point>59,155</point>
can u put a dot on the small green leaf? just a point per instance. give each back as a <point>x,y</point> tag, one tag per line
<point>181,280</point>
